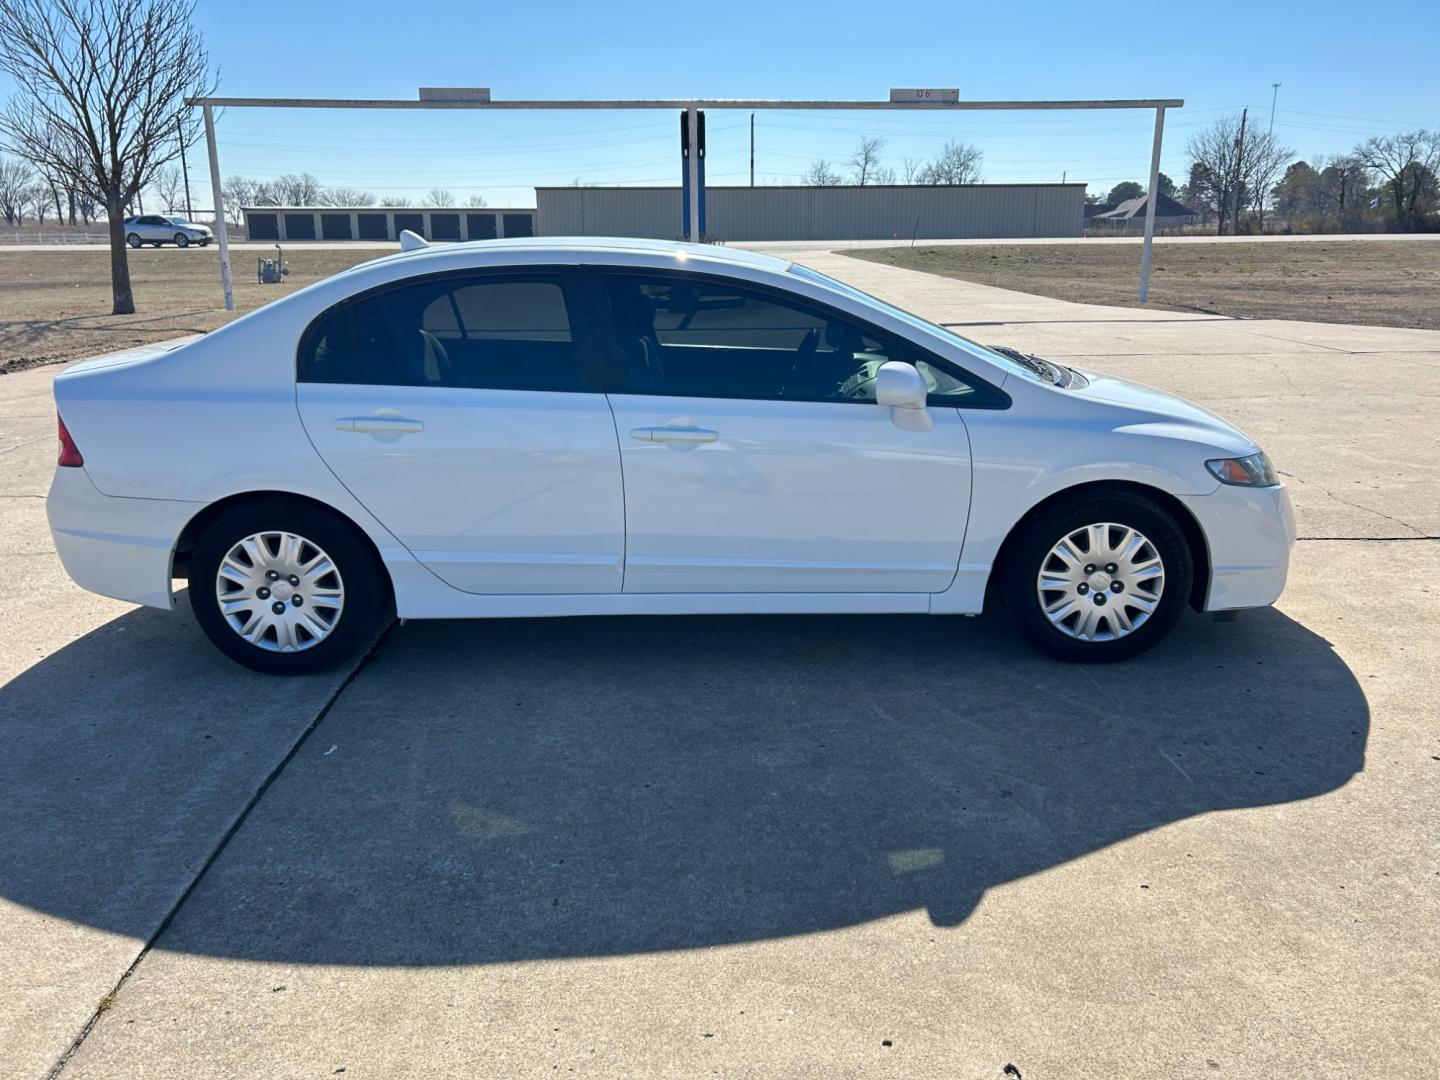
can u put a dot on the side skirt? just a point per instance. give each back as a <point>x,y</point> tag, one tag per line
<point>419,595</point>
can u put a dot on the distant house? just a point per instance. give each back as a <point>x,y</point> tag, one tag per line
<point>1131,214</point>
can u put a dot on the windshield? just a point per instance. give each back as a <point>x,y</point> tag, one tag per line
<point>1000,359</point>
<point>179,221</point>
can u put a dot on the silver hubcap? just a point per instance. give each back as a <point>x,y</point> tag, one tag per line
<point>280,591</point>
<point>1101,582</point>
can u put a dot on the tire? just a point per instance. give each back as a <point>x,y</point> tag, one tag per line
<point>1083,615</point>
<point>181,240</point>
<point>251,542</point>
<point>133,239</point>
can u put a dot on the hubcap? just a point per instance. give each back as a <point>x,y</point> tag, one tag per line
<point>280,591</point>
<point>1101,582</point>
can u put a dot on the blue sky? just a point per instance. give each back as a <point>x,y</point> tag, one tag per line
<point>1346,72</point>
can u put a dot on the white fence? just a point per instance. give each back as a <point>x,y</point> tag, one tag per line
<point>54,236</point>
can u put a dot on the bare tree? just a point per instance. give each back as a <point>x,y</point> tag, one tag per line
<point>1406,165</point>
<point>1217,160</point>
<point>393,200</point>
<point>110,78</point>
<point>346,196</point>
<point>440,197</point>
<point>169,185</point>
<point>237,191</point>
<point>911,169</point>
<point>86,206</point>
<point>958,163</point>
<point>37,201</point>
<point>16,178</point>
<point>819,174</point>
<point>865,161</point>
<point>295,189</point>
<point>477,200</point>
<point>1264,162</point>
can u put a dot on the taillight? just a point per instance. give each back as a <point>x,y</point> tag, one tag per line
<point>69,453</point>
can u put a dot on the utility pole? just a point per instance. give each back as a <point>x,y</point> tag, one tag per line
<point>184,171</point>
<point>1274,93</point>
<point>752,149</point>
<point>1239,171</point>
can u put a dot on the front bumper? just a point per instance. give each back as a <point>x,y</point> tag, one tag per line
<point>1249,533</point>
<point>114,546</point>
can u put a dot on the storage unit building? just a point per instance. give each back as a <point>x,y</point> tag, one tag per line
<point>286,223</point>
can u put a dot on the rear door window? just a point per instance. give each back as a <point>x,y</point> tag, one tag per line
<point>508,332</point>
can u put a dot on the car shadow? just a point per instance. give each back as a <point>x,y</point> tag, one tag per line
<point>508,790</point>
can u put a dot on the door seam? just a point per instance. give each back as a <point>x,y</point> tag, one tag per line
<point>624,502</point>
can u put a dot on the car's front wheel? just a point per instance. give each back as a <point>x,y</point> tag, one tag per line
<point>181,240</point>
<point>285,588</point>
<point>1098,579</point>
<point>133,239</point>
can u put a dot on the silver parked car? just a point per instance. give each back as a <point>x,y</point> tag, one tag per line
<point>157,229</point>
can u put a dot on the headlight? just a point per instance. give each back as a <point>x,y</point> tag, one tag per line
<point>1252,471</point>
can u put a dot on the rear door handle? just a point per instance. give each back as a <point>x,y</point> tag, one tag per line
<point>375,424</point>
<point>674,435</point>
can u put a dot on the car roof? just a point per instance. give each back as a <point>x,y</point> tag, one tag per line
<point>578,248</point>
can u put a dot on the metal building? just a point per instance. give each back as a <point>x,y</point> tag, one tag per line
<point>873,212</point>
<point>385,222</point>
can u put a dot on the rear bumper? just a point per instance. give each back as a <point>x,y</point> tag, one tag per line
<point>112,546</point>
<point>1249,532</point>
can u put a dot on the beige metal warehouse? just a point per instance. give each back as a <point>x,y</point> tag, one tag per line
<point>873,212</point>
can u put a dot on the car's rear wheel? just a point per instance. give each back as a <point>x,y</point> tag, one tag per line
<point>1098,579</point>
<point>181,240</point>
<point>286,588</point>
<point>133,239</point>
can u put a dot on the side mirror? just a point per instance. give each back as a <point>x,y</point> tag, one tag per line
<point>900,386</point>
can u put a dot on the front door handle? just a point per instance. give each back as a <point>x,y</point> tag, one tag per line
<point>674,434</point>
<point>379,424</point>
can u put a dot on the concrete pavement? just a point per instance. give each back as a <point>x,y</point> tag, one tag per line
<point>674,847</point>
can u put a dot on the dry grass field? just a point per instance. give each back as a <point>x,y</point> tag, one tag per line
<point>1375,283</point>
<point>54,305</point>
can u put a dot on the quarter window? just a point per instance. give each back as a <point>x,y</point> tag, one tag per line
<point>703,338</point>
<point>499,334</point>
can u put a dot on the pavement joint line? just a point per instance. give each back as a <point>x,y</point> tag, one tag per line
<point>1369,539</point>
<point>1419,533</point>
<point>240,819</point>
<point>1307,344</point>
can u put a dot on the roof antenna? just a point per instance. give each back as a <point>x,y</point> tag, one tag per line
<point>412,241</point>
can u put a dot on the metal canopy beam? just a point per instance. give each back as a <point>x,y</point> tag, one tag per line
<point>691,105</point>
<point>673,103</point>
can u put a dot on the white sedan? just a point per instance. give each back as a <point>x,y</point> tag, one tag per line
<point>157,229</point>
<point>605,427</point>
